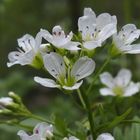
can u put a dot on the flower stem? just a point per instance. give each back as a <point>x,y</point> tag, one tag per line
<point>40,118</point>
<point>86,103</point>
<point>98,73</point>
<point>81,98</point>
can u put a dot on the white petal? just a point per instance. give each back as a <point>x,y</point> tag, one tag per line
<point>86,23</point>
<point>24,136</point>
<point>123,77</point>
<point>44,130</point>
<point>74,87</point>
<point>107,31</point>
<point>105,136</point>
<point>46,35</point>
<point>106,92</point>
<point>82,68</point>
<point>107,79</point>
<point>55,65</point>
<point>105,19</point>
<point>135,49</point>
<point>72,46</point>
<point>73,138</point>
<point>46,82</point>
<point>129,33</point>
<point>21,58</point>
<point>91,44</point>
<point>27,43</point>
<point>89,12</point>
<point>132,89</point>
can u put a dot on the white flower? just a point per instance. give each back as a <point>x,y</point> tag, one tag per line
<point>27,51</point>
<point>71,138</point>
<point>59,39</point>
<point>124,39</point>
<point>121,85</point>
<point>5,101</point>
<point>105,136</point>
<point>95,30</point>
<point>40,132</point>
<point>66,78</point>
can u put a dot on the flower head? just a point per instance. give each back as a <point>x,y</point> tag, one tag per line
<point>71,138</point>
<point>66,77</point>
<point>105,136</point>
<point>124,39</point>
<point>59,39</point>
<point>5,101</point>
<point>121,85</point>
<point>95,30</point>
<point>40,132</point>
<point>28,51</point>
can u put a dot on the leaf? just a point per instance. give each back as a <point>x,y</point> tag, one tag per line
<point>60,125</point>
<point>115,122</point>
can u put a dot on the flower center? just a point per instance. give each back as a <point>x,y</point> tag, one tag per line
<point>119,91</point>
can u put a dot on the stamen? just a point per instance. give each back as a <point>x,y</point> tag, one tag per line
<point>36,131</point>
<point>54,33</point>
<point>59,33</point>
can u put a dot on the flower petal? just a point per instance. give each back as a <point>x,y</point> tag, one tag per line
<point>46,35</point>
<point>123,77</point>
<point>105,19</point>
<point>82,68</point>
<point>21,58</point>
<point>44,130</point>
<point>89,12</point>
<point>107,79</point>
<point>105,136</point>
<point>129,33</point>
<point>55,65</point>
<point>46,82</point>
<point>135,49</point>
<point>72,46</point>
<point>74,87</point>
<point>91,44</point>
<point>106,92</point>
<point>132,89</point>
<point>107,32</point>
<point>24,136</point>
<point>27,42</point>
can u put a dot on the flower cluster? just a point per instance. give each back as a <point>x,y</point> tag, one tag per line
<point>68,58</point>
<point>55,55</point>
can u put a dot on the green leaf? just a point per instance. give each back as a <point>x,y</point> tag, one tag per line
<point>115,122</point>
<point>60,125</point>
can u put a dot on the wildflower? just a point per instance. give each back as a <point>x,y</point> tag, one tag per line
<point>28,53</point>
<point>95,30</point>
<point>105,136</point>
<point>121,85</point>
<point>71,138</point>
<point>59,39</point>
<point>40,132</point>
<point>124,39</point>
<point>66,77</point>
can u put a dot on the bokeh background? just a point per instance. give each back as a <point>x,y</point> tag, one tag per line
<point>18,17</point>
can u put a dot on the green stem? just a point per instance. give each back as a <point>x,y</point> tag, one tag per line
<point>89,112</point>
<point>40,118</point>
<point>98,73</point>
<point>81,98</point>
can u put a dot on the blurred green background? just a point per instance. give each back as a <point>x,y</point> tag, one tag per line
<point>18,17</point>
